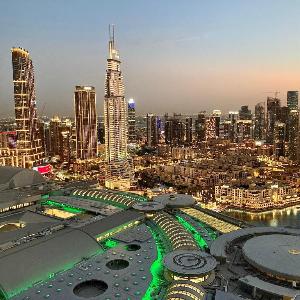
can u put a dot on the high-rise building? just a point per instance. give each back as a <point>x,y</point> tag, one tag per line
<point>152,130</point>
<point>244,130</point>
<point>233,118</point>
<point>200,127</point>
<point>260,122</point>
<point>293,134</point>
<point>188,131</point>
<point>279,139</point>
<point>29,148</point>
<point>54,128</point>
<point>85,122</point>
<point>273,115</point>
<point>131,122</point>
<point>284,114</point>
<point>292,99</point>
<point>245,113</point>
<point>210,128</point>
<point>217,115</point>
<point>118,173</point>
<point>174,130</point>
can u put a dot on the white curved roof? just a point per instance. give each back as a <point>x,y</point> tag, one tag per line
<point>12,177</point>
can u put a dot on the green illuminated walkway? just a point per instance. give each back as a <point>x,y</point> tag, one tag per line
<point>157,269</point>
<point>192,230</point>
<point>62,206</point>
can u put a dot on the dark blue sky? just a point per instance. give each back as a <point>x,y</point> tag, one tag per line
<point>182,56</point>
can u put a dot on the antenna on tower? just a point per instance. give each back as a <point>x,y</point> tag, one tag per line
<point>111,29</point>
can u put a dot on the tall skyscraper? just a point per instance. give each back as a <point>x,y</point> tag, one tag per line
<point>292,99</point>
<point>29,148</point>
<point>188,131</point>
<point>217,115</point>
<point>273,115</point>
<point>279,139</point>
<point>174,130</point>
<point>54,127</point>
<point>293,134</point>
<point>200,127</point>
<point>131,122</point>
<point>260,122</point>
<point>233,118</point>
<point>85,122</point>
<point>210,128</point>
<point>152,130</point>
<point>118,173</point>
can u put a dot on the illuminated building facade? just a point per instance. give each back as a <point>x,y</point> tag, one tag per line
<point>29,148</point>
<point>131,122</point>
<point>256,197</point>
<point>188,131</point>
<point>210,128</point>
<point>279,139</point>
<point>152,130</point>
<point>174,130</point>
<point>259,121</point>
<point>115,122</point>
<point>244,129</point>
<point>273,115</point>
<point>200,127</point>
<point>85,122</point>
<point>54,127</point>
<point>233,118</point>
<point>217,115</point>
<point>293,134</point>
<point>292,99</point>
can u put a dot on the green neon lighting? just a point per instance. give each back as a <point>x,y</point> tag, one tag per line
<point>192,230</point>
<point>63,206</point>
<point>43,279</point>
<point>213,235</point>
<point>2,295</point>
<point>109,244</point>
<point>156,269</point>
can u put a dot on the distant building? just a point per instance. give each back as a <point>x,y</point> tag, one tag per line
<point>292,99</point>
<point>245,113</point>
<point>210,128</point>
<point>174,130</point>
<point>260,122</point>
<point>188,131</point>
<point>54,127</point>
<point>217,115</point>
<point>29,147</point>
<point>200,127</point>
<point>293,134</point>
<point>273,116</point>
<point>279,139</point>
<point>131,122</point>
<point>244,130</point>
<point>85,122</point>
<point>233,118</point>
<point>152,130</point>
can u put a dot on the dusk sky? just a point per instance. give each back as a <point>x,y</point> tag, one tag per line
<point>177,56</point>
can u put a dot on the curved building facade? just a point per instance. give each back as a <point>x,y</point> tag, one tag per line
<point>29,149</point>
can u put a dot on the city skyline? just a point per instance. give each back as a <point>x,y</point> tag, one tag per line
<point>226,67</point>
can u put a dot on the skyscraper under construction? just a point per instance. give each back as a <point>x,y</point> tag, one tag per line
<point>115,122</point>
<point>29,149</point>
